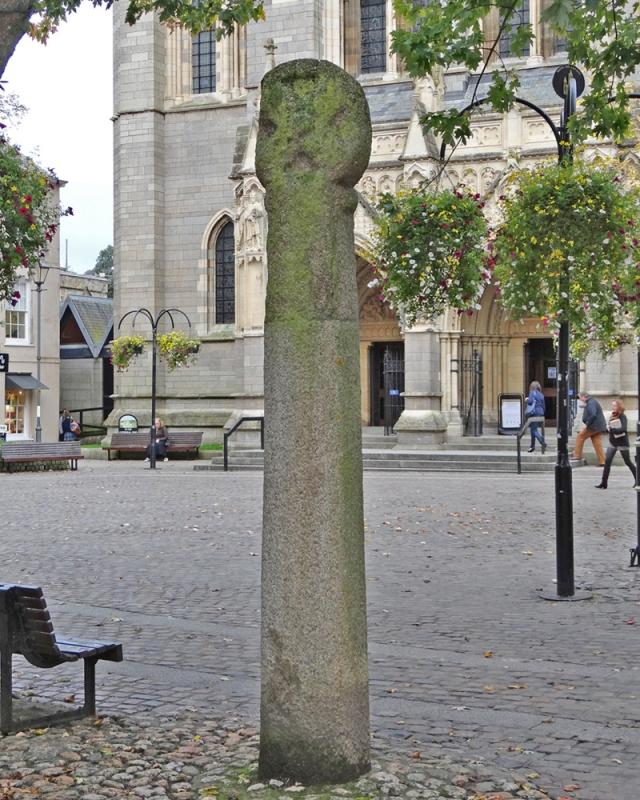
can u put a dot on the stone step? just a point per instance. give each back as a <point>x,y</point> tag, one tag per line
<point>417,461</point>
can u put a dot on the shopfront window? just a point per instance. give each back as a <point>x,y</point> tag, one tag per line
<point>17,315</point>
<point>14,411</point>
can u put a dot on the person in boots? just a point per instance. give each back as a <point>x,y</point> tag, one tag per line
<point>537,399</point>
<point>618,442</point>
<point>594,427</point>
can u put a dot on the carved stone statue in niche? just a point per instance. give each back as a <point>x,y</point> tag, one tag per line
<point>250,217</point>
<point>253,223</point>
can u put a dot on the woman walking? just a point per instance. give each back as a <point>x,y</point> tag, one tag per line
<point>618,442</point>
<point>537,399</point>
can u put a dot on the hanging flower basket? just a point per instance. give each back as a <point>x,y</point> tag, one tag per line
<point>429,252</point>
<point>566,249</point>
<point>178,350</point>
<point>124,349</point>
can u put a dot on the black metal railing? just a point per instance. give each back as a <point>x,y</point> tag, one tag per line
<point>235,428</point>
<point>470,397</point>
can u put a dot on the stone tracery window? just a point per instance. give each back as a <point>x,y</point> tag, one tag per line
<point>203,62</point>
<point>225,275</point>
<point>520,17</point>
<point>373,36</point>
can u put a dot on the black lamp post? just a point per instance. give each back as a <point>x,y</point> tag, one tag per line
<point>39,277</point>
<point>568,83</point>
<point>154,352</point>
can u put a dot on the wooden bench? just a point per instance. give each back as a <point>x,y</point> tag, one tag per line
<point>26,629</point>
<point>14,452</point>
<point>137,442</point>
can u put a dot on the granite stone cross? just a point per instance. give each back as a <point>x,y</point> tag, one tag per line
<point>314,144</point>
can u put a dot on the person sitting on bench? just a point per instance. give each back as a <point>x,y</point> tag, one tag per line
<point>162,435</point>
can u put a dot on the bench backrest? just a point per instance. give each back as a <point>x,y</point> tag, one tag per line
<point>25,625</point>
<point>43,449</point>
<point>180,438</point>
<point>130,439</point>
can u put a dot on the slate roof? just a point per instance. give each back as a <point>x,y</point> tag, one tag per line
<point>390,102</point>
<point>94,316</point>
<point>535,86</point>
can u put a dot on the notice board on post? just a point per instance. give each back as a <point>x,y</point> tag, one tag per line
<point>511,411</point>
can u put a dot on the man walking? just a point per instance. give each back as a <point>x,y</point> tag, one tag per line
<point>594,427</point>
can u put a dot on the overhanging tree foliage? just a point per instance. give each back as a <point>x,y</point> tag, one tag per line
<point>29,216</point>
<point>40,18</point>
<point>602,38</point>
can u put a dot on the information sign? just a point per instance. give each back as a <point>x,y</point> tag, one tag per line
<point>4,362</point>
<point>511,413</point>
<point>127,424</point>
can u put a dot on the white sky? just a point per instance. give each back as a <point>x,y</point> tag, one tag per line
<point>67,87</point>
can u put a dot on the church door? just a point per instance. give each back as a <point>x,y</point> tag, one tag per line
<point>541,366</point>
<point>385,390</point>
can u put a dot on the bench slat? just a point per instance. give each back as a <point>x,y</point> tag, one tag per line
<point>108,652</point>
<point>41,451</point>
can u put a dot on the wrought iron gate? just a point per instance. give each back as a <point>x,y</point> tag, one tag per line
<point>393,377</point>
<point>470,392</point>
<point>574,386</point>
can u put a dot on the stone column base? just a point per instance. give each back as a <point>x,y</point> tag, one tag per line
<point>454,424</point>
<point>420,430</point>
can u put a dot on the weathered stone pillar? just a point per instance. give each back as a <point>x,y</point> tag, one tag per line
<point>422,425</point>
<point>313,146</point>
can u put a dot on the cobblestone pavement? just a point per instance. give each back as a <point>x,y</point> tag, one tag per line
<point>465,656</point>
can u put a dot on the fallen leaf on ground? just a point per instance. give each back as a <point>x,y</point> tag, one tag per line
<point>489,688</point>
<point>488,654</point>
<point>391,691</point>
<point>417,754</point>
<point>527,553</point>
<point>571,787</point>
<point>69,699</point>
<point>516,686</point>
<point>533,775</point>
<point>617,760</point>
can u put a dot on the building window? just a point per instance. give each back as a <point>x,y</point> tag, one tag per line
<point>14,410</point>
<point>203,61</point>
<point>17,316</point>
<point>225,275</point>
<point>520,17</point>
<point>373,36</point>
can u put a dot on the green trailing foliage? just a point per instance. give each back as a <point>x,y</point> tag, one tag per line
<point>29,215</point>
<point>568,249</point>
<point>429,252</point>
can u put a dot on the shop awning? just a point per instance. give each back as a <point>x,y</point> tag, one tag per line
<point>22,380</point>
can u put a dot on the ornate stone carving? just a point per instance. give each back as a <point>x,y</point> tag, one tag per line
<point>368,186</point>
<point>374,310</point>
<point>488,177</point>
<point>250,220</point>
<point>387,144</point>
<point>470,179</point>
<point>386,184</point>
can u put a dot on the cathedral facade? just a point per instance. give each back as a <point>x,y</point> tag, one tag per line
<point>190,222</point>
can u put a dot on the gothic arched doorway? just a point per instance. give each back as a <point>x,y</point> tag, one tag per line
<point>379,328</point>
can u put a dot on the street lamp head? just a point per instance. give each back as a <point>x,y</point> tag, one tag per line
<point>42,270</point>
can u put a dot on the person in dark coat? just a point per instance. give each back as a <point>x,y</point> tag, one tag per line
<point>537,398</point>
<point>161,434</point>
<point>618,442</point>
<point>594,427</point>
